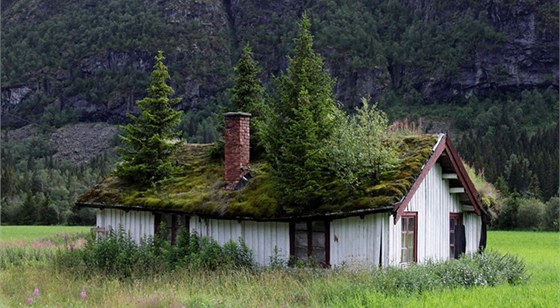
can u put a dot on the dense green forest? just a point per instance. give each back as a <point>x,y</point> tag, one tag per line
<point>38,190</point>
<point>484,72</point>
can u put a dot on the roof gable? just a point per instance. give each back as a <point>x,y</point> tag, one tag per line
<point>444,151</point>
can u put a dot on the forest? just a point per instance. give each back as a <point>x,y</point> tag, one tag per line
<point>410,60</point>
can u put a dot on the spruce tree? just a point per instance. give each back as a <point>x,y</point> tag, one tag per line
<point>247,94</point>
<point>298,126</point>
<point>150,138</point>
<point>247,90</point>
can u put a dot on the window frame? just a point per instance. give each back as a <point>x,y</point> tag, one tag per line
<point>458,218</point>
<point>406,217</point>
<point>309,231</point>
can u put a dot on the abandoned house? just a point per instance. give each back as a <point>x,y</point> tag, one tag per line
<point>426,208</point>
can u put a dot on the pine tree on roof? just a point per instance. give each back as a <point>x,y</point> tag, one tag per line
<point>150,139</point>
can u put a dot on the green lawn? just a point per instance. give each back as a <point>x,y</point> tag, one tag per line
<point>16,233</point>
<point>301,288</point>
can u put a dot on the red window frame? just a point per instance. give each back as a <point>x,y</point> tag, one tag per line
<point>409,225</point>
<point>454,219</point>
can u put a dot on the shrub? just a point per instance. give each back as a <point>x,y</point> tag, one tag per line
<point>118,255</point>
<point>507,220</point>
<point>487,269</point>
<point>531,214</point>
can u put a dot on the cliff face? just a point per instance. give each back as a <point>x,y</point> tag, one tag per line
<point>93,57</point>
<point>525,58</point>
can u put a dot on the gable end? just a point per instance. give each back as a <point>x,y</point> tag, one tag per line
<point>444,150</point>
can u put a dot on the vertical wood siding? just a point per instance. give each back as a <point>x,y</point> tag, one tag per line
<point>433,202</point>
<point>263,237</point>
<point>260,237</point>
<point>138,224</point>
<point>473,228</point>
<point>394,241</point>
<point>358,242</point>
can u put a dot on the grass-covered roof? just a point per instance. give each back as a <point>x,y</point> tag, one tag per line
<point>197,189</point>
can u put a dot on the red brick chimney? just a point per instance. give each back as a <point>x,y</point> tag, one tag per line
<point>236,147</point>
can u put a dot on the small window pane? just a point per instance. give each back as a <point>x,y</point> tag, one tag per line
<point>301,226</point>
<point>318,239</point>
<point>318,226</point>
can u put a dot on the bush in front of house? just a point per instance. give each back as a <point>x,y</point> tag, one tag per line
<point>118,255</point>
<point>485,269</point>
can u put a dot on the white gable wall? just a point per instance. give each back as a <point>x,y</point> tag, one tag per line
<point>359,242</point>
<point>433,203</point>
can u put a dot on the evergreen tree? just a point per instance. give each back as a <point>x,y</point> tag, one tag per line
<point>298,126</point>
<point>248,94</point>
<point>150,139</point>
<point>247,90</point>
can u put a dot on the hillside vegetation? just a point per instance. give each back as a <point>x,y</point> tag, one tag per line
<point>485,71</point>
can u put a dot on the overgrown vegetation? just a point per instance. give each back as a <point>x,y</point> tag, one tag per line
<point>118,255</point>
<point>360,149</point>
<point>310,144</point>
<point>530,279</point>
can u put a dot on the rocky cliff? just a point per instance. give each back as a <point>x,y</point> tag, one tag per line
<point>92,58</point>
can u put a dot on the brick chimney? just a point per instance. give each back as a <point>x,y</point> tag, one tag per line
<point>236,147</point>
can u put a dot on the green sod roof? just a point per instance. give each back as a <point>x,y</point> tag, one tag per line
<point>197,189</point>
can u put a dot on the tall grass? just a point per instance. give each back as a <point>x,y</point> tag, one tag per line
<point>293,287</point>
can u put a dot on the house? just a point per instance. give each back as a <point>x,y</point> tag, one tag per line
<point>425,208</point>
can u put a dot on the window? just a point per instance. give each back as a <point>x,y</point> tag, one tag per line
<point>408,237</point>
<point>310,240</point>
<point>173,223</point>
<point>455,219</point>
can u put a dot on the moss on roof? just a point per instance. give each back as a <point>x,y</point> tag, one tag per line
<point>198,187</point>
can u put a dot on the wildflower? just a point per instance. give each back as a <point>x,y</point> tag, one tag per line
<point>83,294</point>
<point>36,292</point>
<point>30,300</point>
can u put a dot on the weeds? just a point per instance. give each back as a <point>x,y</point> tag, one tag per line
<point>486,269</point>
<point>118,255</point>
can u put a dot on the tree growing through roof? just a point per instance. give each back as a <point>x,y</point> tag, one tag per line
<point>298,125</point>
<point>247,90</point>
<point>149,140</point>
<point>247,93</point>
<point>359,150</point>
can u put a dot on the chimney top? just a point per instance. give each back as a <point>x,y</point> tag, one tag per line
<point>237,114</point>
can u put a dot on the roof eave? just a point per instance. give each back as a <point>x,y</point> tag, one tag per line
<point>332,215</point>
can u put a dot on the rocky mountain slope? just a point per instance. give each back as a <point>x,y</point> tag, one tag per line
<point>89,59</point>
<point>75,143</point>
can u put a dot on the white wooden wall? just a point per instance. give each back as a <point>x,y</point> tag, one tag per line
<point>433,203</point>
<point>136,222</point>
<point>358,242</point>
<point>473,229</point>
<point>260,237</point>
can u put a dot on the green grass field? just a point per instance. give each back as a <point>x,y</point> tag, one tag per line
<point>541,252</point>
<point>15,233</point>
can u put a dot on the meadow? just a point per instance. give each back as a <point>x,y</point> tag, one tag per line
<point>34,233</point>
<point>292,287</point>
